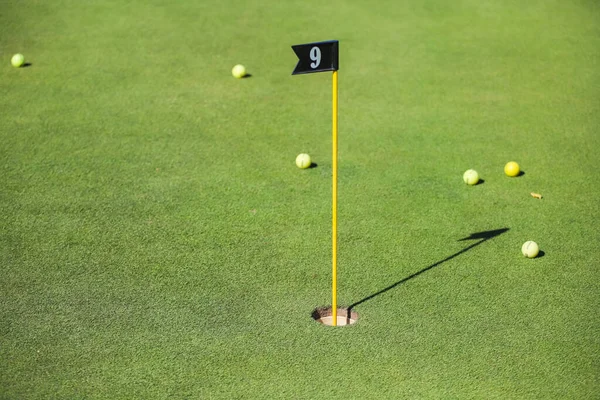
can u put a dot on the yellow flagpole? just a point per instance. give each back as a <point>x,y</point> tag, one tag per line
<point>334,196</point>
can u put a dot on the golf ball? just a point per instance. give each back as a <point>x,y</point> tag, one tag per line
<point>471,177</point>
<point>303,161</point>
<point>17,60</point>
<point>530,249</point>
<point>512,169</point>
<point>238,71</point>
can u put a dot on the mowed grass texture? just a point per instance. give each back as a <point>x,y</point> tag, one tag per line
<point>157,240</point>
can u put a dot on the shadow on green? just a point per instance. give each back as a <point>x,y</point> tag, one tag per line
<point>480,236</point>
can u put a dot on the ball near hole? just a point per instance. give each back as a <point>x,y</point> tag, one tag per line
<point>530,249</point>
<point>512,169</point>
<point>17,60</point>
<point>238,71</point>
<point>471,177</point>
<point>303,161</point>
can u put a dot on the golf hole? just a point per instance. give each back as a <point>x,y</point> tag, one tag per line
<point>324,315</point>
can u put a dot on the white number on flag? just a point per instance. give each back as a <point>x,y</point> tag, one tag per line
<point>315,55</point>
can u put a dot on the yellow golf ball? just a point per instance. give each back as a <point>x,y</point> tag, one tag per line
<point>512,169</point>
<point>530,249</point>
<point>303,161</point>
<point>238,71</point>
<point>471,177</point>
<point>17,60</point>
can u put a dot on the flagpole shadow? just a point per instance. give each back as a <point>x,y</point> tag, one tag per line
<point>483,236</point>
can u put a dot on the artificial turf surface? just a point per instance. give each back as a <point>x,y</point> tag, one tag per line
<point>157,240</point>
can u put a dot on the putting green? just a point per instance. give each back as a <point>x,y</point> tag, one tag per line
<point>157,239</point>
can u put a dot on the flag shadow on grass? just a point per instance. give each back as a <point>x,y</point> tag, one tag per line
<point>480,236</point>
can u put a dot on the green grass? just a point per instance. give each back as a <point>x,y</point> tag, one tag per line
<point>157,240</point>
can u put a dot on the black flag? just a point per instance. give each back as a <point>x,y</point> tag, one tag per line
<point>316,57</point>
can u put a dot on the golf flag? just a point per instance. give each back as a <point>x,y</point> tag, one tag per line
<point>316,57</point>
<point>320,57</point>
